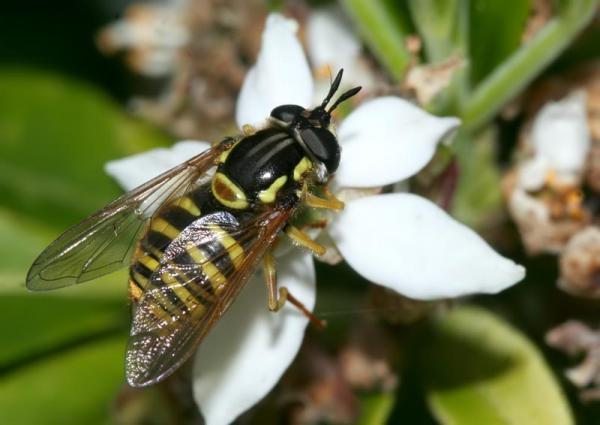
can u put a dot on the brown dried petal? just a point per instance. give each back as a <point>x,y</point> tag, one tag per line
<point>428,80</point>
<point>574,337</point>
<point>315,391</point>
<point>580,263</point>
<point>366,361</point>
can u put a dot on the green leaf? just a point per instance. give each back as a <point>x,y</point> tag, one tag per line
<point>74,387</point>
<point>383,31</point>
<point>495,31</point>
<point>23,239</point>
<point>56,136</point>
<point>478,197</point>
<point>517,71</point>
<point>376,408</point>
<point>482,371</point>
<point>442,24</point>
<point>42,324</point>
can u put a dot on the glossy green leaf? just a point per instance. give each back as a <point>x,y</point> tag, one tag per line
<point>56,136</point>
<point>382,31</point>
<point>23,239</point>
<point>520,68</point>
<point>37,325</point>
<point>495,31</point>
<point>376,408</point>
<point>442,24</point>
<point>478,198</point>
<point>483,371</point>
<point>74,387</point>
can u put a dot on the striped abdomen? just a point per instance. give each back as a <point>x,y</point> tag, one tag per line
<point>188,253</point>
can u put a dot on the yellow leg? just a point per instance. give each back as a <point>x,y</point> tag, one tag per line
<point>331,202</point>
<point>304,240</point>
<point>277,301</point>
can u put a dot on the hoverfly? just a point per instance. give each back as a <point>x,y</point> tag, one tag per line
<point>194,235</point>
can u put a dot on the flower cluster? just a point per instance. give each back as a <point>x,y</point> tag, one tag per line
<point>399,240</point>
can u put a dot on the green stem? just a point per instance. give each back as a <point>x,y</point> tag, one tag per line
<point>382,34</point>
<point>526,63</point>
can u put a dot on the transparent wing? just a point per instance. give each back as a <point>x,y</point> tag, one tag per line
<point>105,241</point>
<point>187,294</point>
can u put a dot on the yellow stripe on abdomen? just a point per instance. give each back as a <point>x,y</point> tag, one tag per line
<point>211,272</point>
<point>189,205</point>
<point>233,248</point>
<point>160,225</point>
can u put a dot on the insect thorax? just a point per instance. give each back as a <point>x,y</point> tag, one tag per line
<point>266,168</point>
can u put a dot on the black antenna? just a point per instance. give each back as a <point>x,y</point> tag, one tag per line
<point>344,96</point>
<point>334,86</point>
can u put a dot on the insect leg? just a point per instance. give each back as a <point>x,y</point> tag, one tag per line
<point>331,202</point>
<point>304,240</point>
<point>277,301</point>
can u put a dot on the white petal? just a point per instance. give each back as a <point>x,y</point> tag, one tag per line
<point>408,244</point>
<point>526,208</point>
<point>331,42</point>
<point>281,74</point>
<point>561,134</point>
<point>533,173</point>
<point>386,140</point>
<point>132,171</point>
<point>331,46</point>
<point>250,348</point>
<point>147,26</point>
<point>154,62</point>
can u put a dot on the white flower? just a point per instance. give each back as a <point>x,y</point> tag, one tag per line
<point>558,146</point>
<point>397,240</point>
<point>151,33</point>
<point>560,140</point>
<point>332,45</point>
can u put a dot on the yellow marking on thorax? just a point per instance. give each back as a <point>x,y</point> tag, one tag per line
<point>161,225</point>
<point>303,166</point>
<point>226,152</point>
<point>233,248</point>
<point>228,193</point>
<point>268,195</point>
<point>189,205</point>
<point>212,273</point>
<point>224,155</point>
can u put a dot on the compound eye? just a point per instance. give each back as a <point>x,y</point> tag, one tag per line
<point>323,145</point>
<point>286,113</point>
